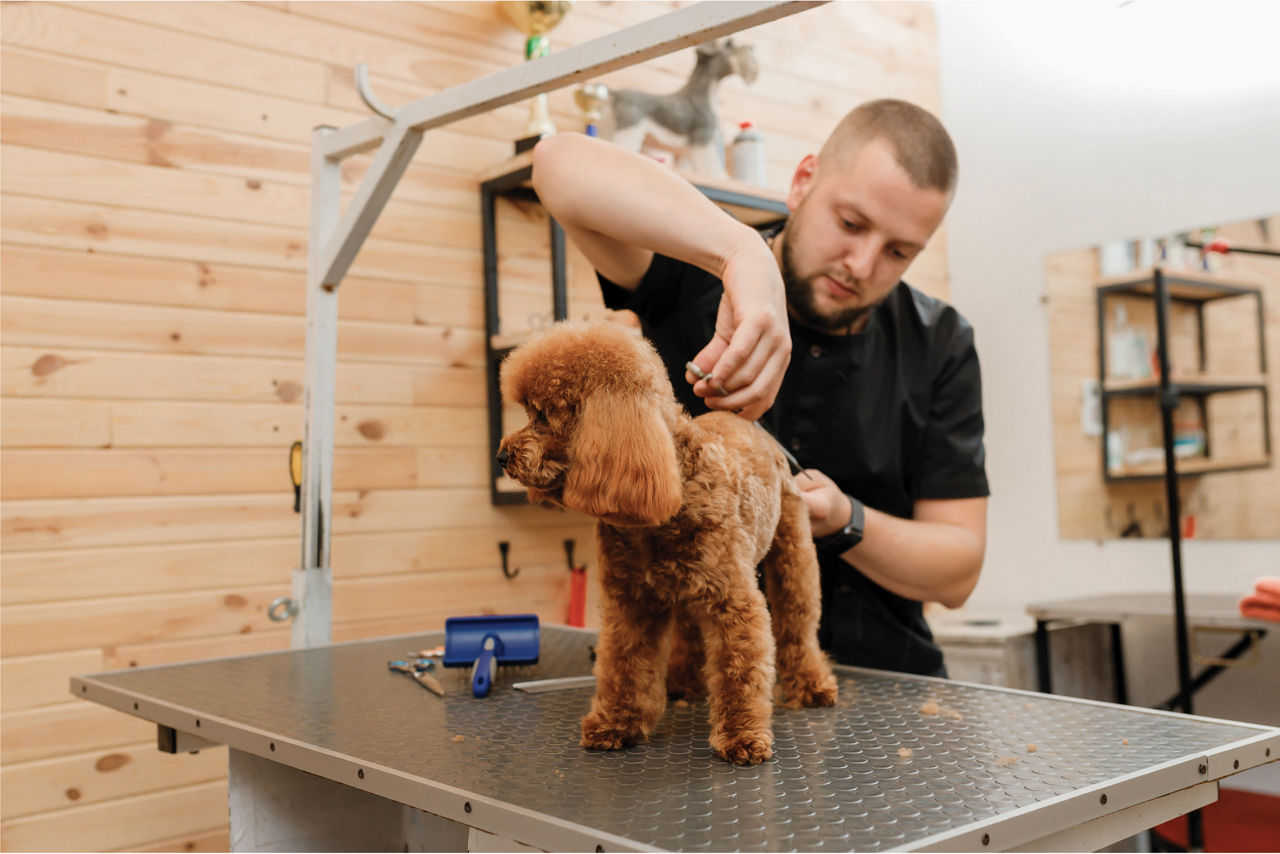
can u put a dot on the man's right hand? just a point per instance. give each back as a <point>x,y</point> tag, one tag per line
<point>747,358</point>
<point>581,182</point>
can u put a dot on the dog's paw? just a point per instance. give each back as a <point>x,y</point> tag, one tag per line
<point>599,734</point>
<point>747,748</point>
<point>744,748</point>
<point>817,693</point>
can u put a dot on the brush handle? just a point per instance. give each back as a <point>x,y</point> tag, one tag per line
<point>486,664</point>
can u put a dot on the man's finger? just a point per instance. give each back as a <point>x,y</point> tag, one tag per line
<point>756,364</point>
<point>745,339</point>
<point>755,399</point>
<point>706,361</point>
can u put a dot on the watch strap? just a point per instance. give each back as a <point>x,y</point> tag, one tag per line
<point>848,536</point>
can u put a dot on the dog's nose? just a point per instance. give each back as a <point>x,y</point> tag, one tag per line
<point>503,458</point>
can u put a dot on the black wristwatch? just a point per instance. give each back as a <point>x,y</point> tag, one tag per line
<point>848,536</point>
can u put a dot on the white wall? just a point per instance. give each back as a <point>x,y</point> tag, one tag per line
<point>1076,124</point>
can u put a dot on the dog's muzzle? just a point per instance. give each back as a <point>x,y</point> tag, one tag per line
<point>503,458</point>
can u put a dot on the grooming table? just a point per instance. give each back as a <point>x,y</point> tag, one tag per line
<point>902,763</point>
<point>1207,612</point>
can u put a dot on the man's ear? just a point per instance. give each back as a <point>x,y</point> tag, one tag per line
<point>802,180</point>
<point>623,466</point>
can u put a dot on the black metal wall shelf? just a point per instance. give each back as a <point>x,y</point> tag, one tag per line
<point>758,207</point>
<point>1188,289</point>
<point>1166,390</point>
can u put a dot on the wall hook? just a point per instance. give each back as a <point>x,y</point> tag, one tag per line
<point>505,547</point>
<point>568,550</point>
<point>365,91</point>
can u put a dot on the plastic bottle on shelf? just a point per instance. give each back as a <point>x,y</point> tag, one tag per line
<point>747,157</point>
<point>1123,347</point>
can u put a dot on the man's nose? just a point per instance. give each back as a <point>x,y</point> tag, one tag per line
<point>503,458</point>
<point>860,258</point>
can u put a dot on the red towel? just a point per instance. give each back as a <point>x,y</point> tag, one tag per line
<point>1264,602</point>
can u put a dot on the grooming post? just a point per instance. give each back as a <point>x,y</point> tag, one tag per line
<point>312,582</point>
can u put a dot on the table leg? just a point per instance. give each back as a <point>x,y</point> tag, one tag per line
<point>1043,678</point>
<point>277,808</point>
<point>1117,664</point>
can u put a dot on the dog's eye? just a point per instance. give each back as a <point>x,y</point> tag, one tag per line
<point>537,416</point>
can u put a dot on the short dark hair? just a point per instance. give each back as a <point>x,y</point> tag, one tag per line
<point>920,143</point>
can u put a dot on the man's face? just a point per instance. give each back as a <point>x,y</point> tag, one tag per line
<point>856,225</point>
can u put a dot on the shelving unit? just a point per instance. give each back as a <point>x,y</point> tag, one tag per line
<point>1197,291</point>
<point>758,207</point>
<point>1167,391</point>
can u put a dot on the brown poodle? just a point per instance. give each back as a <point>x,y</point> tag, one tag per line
<point>686,508</point>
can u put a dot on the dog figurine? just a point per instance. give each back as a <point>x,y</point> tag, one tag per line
<point>686,509</point>
<point>685,122</point>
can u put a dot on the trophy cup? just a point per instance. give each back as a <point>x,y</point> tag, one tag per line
<point>535,19</point>
<point>591,98</point>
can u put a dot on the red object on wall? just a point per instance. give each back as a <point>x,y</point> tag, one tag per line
<point>577,597</point>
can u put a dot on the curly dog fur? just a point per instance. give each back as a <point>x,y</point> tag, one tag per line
<point>686,508</point>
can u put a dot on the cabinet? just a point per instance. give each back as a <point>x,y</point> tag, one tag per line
<point>757,206</point>
<point>1170,389</point>
<point>998,648</point>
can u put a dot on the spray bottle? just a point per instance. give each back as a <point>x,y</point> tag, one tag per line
<point>748,156</point>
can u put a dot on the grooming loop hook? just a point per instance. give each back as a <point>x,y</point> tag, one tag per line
<point>507,572</point>
<point>365,91</point>
<point>281,609</point>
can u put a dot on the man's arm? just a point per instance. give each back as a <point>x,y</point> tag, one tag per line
<point>935,556</point>
<point>620,208</point>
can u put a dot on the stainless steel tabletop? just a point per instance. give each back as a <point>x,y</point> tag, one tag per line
<point>902,762</point>
<point>1217,610</point>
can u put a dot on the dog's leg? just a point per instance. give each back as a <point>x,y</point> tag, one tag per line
<point>740,675</point>
<point>684,665</point>
<point>630,663</point>
<point>792,580</point>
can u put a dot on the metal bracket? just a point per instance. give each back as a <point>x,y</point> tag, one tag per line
<point>170,740</point>
<point>1250,641</point>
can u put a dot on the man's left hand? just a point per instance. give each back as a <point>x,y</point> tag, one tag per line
<point>829,507</point>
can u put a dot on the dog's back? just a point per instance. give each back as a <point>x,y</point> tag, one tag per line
<point>739,472</point>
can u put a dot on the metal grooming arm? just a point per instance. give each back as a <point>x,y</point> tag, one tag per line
<point>336,237</point>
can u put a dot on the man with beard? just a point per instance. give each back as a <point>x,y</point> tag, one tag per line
<point>882,403</point>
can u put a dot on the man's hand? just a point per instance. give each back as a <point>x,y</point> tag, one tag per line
<point>746,359</point>
<point>829,508</point>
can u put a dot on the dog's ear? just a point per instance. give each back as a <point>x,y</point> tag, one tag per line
<point>624,468</point>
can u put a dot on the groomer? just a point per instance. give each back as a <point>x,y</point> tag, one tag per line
<point>873,385</point>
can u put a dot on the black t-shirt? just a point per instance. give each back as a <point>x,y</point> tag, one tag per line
<point>892,414</point>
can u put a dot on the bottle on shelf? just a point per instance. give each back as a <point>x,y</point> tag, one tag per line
<point>747,156</point>
<point>1130,356</point>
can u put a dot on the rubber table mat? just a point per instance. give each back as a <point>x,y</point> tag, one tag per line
<point>901,762</point>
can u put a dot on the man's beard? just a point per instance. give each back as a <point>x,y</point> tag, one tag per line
<point>804,307</point>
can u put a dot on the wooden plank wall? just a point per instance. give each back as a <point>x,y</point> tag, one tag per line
<point>1229,505</point>
<point>155,203</point>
